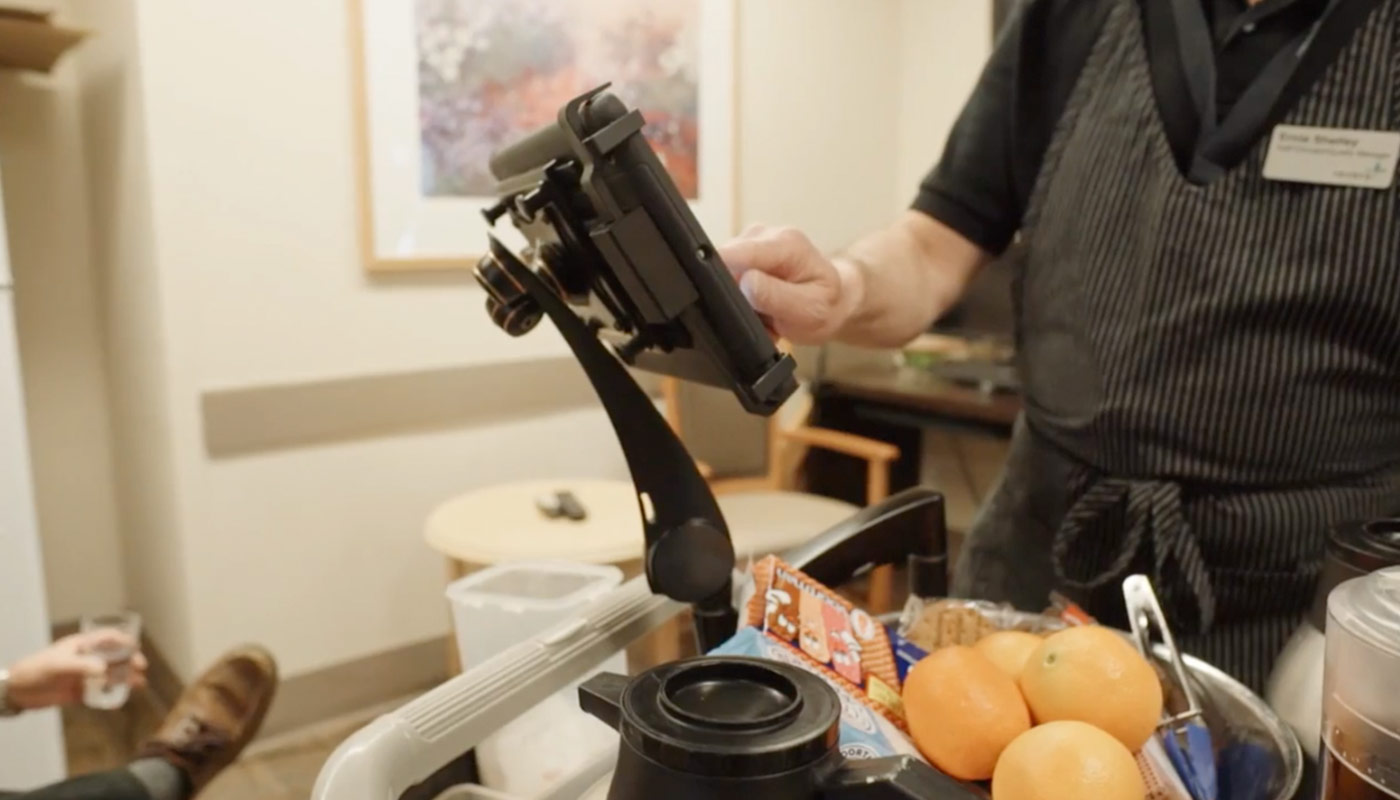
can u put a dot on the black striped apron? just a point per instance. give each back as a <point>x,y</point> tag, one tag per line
<point>1212,372</point>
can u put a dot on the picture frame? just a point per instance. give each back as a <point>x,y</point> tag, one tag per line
<point>426,72</point>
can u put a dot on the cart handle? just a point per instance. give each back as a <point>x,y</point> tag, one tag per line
<point>910,525</point>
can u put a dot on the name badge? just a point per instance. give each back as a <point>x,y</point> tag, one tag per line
<point>1333,156</point>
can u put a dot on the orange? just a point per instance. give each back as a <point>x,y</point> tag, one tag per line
<point>1067,761</point>
<point>963,711</point>
<point>1009,650</point>
<point>1093,675</point>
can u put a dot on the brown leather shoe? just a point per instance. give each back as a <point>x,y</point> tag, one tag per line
<point>216,716</point>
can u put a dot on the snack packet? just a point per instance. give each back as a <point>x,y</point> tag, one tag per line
<point>850,648</point>
<point>1068,611</point>
<point>936,623</point>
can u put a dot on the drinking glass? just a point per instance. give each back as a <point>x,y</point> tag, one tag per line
<point>111,690</point>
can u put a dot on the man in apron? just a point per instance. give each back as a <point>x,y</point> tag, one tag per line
<point>1200,201</point>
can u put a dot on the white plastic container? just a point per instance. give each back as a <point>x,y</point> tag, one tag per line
<point>499,607</point>
<point>504,605</point>
<point>1361,713</point>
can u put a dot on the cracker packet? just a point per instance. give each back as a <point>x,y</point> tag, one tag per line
<point>932,624</point>
<point>851,649</point>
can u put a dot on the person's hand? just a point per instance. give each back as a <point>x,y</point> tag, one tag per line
<point>801,294</point>
<point>55,675</point>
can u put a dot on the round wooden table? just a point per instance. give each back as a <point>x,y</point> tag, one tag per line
<point>501,523</point>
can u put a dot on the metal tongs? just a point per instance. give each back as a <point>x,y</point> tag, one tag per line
<point>1184,735</point>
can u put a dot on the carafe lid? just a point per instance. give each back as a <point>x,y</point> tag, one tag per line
<point>1368,546</point>
<point>1353,549</point>
<point>1368,608</point>
<point>739,717</point>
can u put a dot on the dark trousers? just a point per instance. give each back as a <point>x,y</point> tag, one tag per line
<point>118,784</point>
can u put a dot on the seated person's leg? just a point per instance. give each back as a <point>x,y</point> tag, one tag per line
<point>118,784</point>
<point>215,718</point>
<point>209,726</point>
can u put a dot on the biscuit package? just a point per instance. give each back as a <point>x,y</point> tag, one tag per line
<point>931,624</point>
<point>850,648</point>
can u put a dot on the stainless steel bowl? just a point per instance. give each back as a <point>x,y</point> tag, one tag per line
<point>1239,718</point>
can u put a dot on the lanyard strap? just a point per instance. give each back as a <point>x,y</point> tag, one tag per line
<point>1196,50</point>
<point>1221,141</point>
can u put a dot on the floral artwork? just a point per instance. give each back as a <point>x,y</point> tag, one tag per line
<point>490,71</point>
<point>442,85</point>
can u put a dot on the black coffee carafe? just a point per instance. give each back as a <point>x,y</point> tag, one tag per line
<point>730,727</point>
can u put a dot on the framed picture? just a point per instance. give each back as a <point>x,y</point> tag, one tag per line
<point>442,84</point>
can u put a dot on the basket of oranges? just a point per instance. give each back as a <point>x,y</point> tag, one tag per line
<point>1047,707</point>
<point>1022,706</point>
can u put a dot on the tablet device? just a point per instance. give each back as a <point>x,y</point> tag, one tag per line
<point>609,232</point>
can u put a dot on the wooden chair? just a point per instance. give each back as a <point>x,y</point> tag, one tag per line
<point>768,512</point>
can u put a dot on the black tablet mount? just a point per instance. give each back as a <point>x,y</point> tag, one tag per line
<point>614,255</point>
<point>689,556</point>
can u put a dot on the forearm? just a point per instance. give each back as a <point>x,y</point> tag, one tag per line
<point>903,277</point>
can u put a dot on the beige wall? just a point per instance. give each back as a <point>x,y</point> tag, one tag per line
<point>256,206</point>
<point>150,485</point>
<point>942,46</point>
<point>59,328</point>
<point>816,96</point>
<point>319,552</point>
<point>845,106</point>
<point>224,218</point>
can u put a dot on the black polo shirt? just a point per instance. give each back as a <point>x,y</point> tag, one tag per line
<point>1224,72</point>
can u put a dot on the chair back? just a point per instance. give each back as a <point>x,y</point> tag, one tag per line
<point>716,430</point>
<point>734,443</point>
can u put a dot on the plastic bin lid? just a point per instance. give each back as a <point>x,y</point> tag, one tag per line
<point>534,584</point>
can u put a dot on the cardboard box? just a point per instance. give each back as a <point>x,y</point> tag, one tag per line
<point>30,39</point>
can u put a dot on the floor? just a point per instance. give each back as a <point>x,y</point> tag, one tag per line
<point>281,768</point>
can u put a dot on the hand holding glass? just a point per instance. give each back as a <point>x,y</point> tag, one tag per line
<point>98,666</point>
<point>116,640</point>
